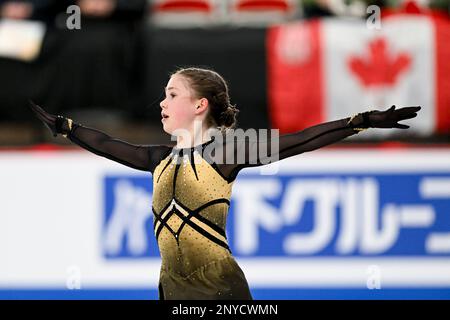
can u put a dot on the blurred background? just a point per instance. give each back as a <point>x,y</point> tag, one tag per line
<point>365,218</point>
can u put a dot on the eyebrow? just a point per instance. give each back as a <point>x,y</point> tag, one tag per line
<point>170,88</point>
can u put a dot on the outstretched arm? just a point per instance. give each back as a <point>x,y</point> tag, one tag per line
<point>314,137</point>
<point>134,156</point>
<point>141,157</point>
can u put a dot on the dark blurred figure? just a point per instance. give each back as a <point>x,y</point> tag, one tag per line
<point>16,74</point>
<point>41,10</point>
<point>97,8</point>
<point>115,9</point>
<point>316,9</point>
<point>339,8</point>
<point>97,69</point>
<point>442,5</point>
<point>380,3</point>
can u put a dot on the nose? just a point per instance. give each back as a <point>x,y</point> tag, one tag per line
<point>162,103</point>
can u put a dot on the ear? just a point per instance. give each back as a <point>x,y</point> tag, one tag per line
<point>201,105</point>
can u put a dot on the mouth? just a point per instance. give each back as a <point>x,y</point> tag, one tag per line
<point>164,116</point>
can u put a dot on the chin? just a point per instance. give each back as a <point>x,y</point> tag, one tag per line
<point>167,130</point>
<point>172,130</point>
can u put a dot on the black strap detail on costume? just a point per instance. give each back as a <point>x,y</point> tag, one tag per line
<point>156,162</point>
<point>220,200</point>
<point>162,171</point>
<point>177,168</point>
<point>191,160</point>
<point>201,231</point>
<point>196,213</point>
<point>163,223</point>
<point>163,210</point>
<point>216,168</point>
<point>187,220</point>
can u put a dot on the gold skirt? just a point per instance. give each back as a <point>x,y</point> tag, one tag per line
<point>219,280</point>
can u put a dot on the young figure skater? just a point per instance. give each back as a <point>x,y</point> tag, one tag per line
<point>192,187</point>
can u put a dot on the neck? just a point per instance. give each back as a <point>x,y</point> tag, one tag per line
<point>194,138</point>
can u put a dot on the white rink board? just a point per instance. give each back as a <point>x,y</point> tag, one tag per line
<point>50,225</point>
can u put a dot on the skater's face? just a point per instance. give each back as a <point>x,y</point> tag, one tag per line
<point>180,107</point>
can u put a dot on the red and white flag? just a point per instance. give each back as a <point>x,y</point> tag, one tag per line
<point>328,69</point>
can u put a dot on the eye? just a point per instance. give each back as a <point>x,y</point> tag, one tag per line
<point>172,95</point>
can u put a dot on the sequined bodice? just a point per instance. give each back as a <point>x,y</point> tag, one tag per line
<point>190,205</point>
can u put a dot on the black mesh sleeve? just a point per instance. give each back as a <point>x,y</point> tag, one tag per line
<point>140,157</point>
<point>257,152</point>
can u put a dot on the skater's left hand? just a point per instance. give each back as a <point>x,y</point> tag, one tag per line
<point>390,117</point>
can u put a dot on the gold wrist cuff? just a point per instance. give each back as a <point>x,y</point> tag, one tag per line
<point>351,119</point>
<point>69,123</point>
<point>355,129</point>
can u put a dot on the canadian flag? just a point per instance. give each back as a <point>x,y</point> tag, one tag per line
<point>328,69</point>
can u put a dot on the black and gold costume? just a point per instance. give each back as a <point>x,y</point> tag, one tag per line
<point>191,197</point>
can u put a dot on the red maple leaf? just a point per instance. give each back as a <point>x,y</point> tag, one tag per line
<point>379,68</point>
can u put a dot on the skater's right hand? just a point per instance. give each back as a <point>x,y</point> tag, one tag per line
<point>56,124</point>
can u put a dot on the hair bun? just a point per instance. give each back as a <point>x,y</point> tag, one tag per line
<point>229,115</point>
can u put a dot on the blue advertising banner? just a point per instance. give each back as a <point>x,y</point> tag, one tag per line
<point>366,225</point>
